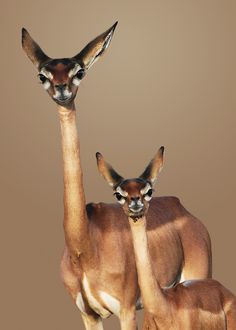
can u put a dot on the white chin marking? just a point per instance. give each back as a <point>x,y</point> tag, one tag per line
<point>76,81</point>
<point>46,85</point>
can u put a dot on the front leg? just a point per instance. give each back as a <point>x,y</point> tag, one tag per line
<point>92,323</point>
<point>128,319</point>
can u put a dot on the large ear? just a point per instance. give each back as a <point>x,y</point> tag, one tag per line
<point>92,52</point>
<point>32,49</point>
<point>154,167</point>
<point>109,174</point>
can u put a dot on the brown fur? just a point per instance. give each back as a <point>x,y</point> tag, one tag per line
<point>191,305</point>
<point>175,249</point>
<point>98,245</point>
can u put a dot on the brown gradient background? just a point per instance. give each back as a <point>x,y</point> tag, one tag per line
<point>168,78</point>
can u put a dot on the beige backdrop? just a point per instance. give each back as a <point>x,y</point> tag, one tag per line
<point>168,78</point>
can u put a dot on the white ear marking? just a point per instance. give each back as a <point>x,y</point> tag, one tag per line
<point>108,39</point>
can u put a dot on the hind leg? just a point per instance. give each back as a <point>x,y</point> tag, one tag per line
<point>231,317</point>
<point>197,251</point>
<point>196,266</point>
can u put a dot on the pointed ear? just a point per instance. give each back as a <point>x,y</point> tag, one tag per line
<point>154,167</point>
<point>32,49</point>
<point>109,174</point>
<point>92,52</point>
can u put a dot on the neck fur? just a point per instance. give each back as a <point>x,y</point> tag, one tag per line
<point>153,297</point>
<point>75,215</point>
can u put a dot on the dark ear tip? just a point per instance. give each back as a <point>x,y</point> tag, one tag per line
<point>98,155</point>
<point>162,148</point>
<point>23,33</point>
<point>113,26</point>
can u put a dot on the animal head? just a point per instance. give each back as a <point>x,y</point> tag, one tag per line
<point>61,77</point>
<point>133,194</point>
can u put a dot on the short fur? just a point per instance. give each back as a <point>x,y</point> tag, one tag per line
<point>191,305</point>
<point>98,260</point>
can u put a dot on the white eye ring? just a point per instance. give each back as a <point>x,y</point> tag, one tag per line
<point>76,81</point>
<point>121,201</point>
<point>147,198</point>
<point>46,85</point>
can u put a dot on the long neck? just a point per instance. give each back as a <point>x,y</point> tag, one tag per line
<point>75,216</point>
<point>153,297</point>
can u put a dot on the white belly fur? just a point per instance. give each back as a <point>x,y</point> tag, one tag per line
<point>113,305</point>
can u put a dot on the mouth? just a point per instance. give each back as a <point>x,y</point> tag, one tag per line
<point>63,96</point>
<point>136,214</point>
<point>63,99</point>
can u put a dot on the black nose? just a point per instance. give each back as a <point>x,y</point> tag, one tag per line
<point>61,86</point>
<point>135,199</point>
<point>136,208</point>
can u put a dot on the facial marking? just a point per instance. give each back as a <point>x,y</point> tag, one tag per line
<point>121,191</point>
<point>46,73</point>
<point>138,203</point>
<point>62,94</point>
<point>120,195</point>
<point>145,189</point>
<point>76,81</point>
<point>46,85</point>
<point>73,71</point>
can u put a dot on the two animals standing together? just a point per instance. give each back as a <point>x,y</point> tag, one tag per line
<point>132,254</point>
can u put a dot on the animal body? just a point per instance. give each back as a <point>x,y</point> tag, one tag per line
<point>190,305</point>
<point>98,265</point>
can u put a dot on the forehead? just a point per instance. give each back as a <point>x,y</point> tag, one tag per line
<point>132,186</point>
<point>60,65</point>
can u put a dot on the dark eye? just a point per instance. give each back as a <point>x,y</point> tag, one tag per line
<point>149,193</point>
<point>42,78</point>
<point>80,74</point>
<point>118,196</point>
